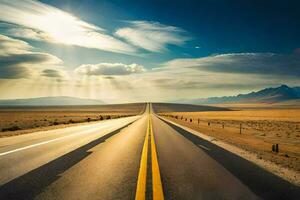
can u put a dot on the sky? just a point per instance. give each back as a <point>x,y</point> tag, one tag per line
<point>132,50</point>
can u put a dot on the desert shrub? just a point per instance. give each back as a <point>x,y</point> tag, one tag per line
<point>100,117</point>
<point>71,121</point>
<point>88,119</point>
<point>13,128</point>
<point>55,123</point>
<point>108,117</point>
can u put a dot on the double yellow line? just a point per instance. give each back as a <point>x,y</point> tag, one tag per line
<point>157,191</point>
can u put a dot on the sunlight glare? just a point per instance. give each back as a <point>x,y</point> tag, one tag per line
<point>63,27</point>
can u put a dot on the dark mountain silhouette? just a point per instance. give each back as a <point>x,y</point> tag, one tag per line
<point>268,95</point>
<point>50,101</point>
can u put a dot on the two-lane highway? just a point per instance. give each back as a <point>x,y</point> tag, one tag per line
<point>94,161</point>
<point>141,157</point>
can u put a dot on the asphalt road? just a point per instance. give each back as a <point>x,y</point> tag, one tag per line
<point>142,157</point>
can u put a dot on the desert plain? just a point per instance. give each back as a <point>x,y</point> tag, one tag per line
<point>254,130</point>
<point>26,119</point>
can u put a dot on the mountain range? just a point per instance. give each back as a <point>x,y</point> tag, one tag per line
<point>50,101</point>
<point>282,93</point>
<point>268,95</point>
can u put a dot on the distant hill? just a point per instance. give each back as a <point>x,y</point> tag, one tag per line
<point>268,95</point>
<point>176,107</point>
<point>50,101</point>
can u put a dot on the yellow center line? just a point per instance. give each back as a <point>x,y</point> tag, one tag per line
<point>156,180</point>
<point>142,177</point>
<point>141,184</point>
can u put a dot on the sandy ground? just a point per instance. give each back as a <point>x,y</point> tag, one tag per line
<point>20,120</point>
<point>260,130</point>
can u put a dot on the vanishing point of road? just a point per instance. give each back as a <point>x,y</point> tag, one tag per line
<point>140,157</point>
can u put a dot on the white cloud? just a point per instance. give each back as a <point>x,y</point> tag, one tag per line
<point>243,63</point>
<point>18,60</point>
<point>58,26</point>
<point>54,73</point>
<point>27,33</point>
<point>152,36</point>
<point>109,69</point>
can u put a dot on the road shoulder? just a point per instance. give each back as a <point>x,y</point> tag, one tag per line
<point>287,174</point>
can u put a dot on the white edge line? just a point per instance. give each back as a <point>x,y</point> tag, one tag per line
<point>45,142</point>
<point>49,141</point>
<point>204,147</point>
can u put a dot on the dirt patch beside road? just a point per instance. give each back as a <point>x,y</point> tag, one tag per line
<point>252,130</point>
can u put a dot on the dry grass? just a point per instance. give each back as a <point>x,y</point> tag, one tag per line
<point>242,115</point>
<point>19,120</point>
<point>260,129</point>
<point>290,104</point>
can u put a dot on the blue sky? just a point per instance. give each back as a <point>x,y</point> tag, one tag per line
<point>116,50</point>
